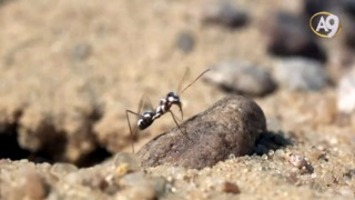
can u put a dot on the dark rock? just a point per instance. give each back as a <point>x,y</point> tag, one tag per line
<point>242,78</point>
<point>185,41</point>
<point>349,7</point>
<point>301,74</point>
<point>224,13</point>
<point>230,126</point>
<point>348,27</point>
<point>289,35</point>
<point>313,6</point>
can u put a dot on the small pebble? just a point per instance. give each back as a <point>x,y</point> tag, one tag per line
<point>280,153</point>
<point>300,162</point>
<point>230,126</point>
<point>29,185</point>
<point>346,93</point>
<point>122,169</point>
<point>35,186</point>
<point>138,181</point>
<point>229,187</point>
<point>185,41</point>
<point>301,74</point>
<point>61,169</point>
<point>224,13</point>
<point>130,160</point>
<point>81,51</point>
<point>297,161</point>
<point>242,78</point>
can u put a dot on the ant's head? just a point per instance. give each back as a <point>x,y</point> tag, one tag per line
<point>173,98</point>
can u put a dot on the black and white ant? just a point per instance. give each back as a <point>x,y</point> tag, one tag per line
<point>148,117</point>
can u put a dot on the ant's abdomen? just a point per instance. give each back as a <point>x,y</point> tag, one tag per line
<point>144,123</point>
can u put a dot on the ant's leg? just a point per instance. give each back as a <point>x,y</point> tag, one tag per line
<point>132,132</point>
<point>182,113</point>
<point>177,124</point>
<point>144,103</point>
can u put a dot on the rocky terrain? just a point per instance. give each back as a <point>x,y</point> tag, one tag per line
<point>70,69</point>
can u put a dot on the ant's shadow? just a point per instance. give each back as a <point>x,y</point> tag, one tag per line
<point>271,140</point>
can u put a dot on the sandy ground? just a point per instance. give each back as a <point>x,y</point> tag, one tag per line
<point>69,70</point>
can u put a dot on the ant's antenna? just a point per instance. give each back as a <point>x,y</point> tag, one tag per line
<point>179,91</point>
<point>177,124</point>
<point>186,73</point>
<point>182,91</point>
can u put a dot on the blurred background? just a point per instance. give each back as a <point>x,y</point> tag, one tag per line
<point>70,69</point>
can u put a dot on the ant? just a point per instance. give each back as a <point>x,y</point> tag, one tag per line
<point>148,117</point>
